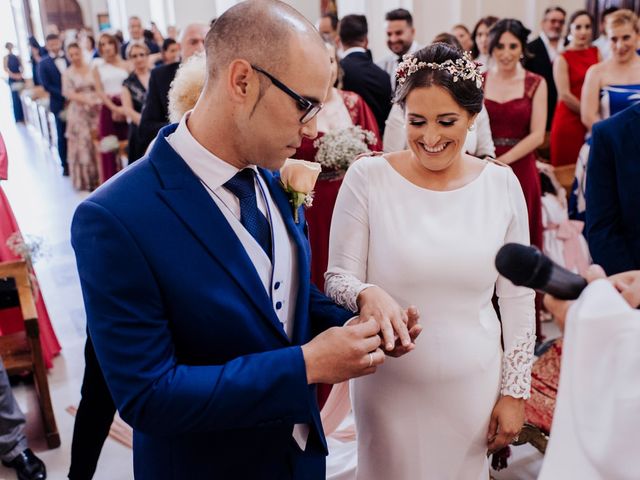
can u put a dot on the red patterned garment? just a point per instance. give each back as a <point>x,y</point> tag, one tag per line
<point>544,387</point>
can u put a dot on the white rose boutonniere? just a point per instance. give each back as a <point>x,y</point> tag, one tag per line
<point>298,177</point>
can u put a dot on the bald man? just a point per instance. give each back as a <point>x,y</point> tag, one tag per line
<point>155,113</point>
<point>195,274</point>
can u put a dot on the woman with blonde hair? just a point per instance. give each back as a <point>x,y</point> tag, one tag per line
<point>134,94</point>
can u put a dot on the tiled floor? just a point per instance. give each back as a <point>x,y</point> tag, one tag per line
<point>43,202</point>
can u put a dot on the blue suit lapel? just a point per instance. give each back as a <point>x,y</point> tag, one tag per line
<point>301,329</point>
<point>190,201</point>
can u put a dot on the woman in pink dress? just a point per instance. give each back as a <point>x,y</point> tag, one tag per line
<point>342,109</point>
<point>11,320</point>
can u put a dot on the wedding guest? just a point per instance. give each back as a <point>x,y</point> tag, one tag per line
<point>569,70</point>
<point>109,75</point>
<point>612,196</point>
<point>543,53</point>
<point>361,75</point>
<point>602,42</point>
<point>463,35</point>
<point>78,86</point>
<point>156,34</point>
<point>136,35</point>
<point>170,52</point>
<point>328,28</point>
<point>50,71</point>
<point>37,53</point>
<point>478,143</point>
<point>480,35</point>
<point>14,447</point>
<point>400,40</point>
<point>597,388</point>
<point>155,113</point>
<point>517,119</point>
<point>229,359</point>
<point>13,68</point>
<point>134,93</point>
<point>400,235</point>
<point>609,87</point>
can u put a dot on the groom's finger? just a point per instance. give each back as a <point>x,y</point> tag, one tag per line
<point>365,329</point>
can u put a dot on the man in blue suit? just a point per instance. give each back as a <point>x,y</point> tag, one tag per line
<point>50,71</point>
<point>612,192</point>
<point>195,274</point>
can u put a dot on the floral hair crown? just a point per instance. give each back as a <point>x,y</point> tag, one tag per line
<point>461,69</point>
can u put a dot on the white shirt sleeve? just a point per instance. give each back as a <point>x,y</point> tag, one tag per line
<point>484,146</point>
<point>349,239</point>
<point>516,307</point>
<point>395,133</point>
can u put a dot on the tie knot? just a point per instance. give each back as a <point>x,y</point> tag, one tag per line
<point>242,184</point>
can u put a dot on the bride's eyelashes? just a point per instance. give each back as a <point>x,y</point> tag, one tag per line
<point>444,123</point>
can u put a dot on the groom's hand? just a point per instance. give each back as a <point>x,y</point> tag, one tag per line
<point>341,353</point>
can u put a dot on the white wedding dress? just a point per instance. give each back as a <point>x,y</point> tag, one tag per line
<point>426,415</point>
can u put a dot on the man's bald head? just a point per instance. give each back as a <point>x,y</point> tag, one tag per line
<point>266,43</point>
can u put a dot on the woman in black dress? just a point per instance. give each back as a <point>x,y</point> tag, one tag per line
<point>134,94</point>
<point>13,67</point>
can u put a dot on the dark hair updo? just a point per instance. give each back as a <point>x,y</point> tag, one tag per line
<point>515,28</point>
<point>465,92</point>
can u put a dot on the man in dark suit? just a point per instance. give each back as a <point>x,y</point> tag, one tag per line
<point>50,71</point>
<point>136,35</point>
<point>613,201</point>
<point>195,272</point>
<point>361,75</point>
<point>155,113</point>
<point>543,52</point>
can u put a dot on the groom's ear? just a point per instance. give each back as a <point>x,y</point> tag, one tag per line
<point>242,82</point>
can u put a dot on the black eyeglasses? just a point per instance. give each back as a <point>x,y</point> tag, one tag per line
<point>310,108</point>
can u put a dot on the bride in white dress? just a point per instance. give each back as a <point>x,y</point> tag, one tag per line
<point>422,227</point>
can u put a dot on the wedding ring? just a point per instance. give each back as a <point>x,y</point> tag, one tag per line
<point>370,360</point>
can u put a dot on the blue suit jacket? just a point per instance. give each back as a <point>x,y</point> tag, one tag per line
<point>52,82</point>
<point>191,348</point>
<point>613,192</point>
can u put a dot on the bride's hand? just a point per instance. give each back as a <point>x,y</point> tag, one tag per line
<point>373,302</point>
<point>506,422</point>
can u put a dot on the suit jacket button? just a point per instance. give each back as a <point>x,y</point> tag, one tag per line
<point>276,285</point>
<point>278,305</point>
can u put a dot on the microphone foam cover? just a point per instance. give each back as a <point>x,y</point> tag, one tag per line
<point>523,265</point>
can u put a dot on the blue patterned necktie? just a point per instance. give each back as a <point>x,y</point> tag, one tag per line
<point>242,185</point>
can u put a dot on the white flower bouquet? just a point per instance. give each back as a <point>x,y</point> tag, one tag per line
<point>109,144</point>
<point>338,149</point>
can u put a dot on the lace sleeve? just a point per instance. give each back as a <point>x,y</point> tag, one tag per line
<point>516,368</point>
<point>344,289</point>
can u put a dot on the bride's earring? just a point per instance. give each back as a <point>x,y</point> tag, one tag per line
<point>472,127</point>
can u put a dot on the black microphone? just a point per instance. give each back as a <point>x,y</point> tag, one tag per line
<point>529,267</point>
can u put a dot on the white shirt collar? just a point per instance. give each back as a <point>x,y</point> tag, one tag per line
<point>211,169</point>
<point>551,50</point>
<point>351,50</point>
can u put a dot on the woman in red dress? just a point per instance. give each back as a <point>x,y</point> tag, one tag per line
<point>569,70</point>
<point>516,101</point>
<point>11,320</point>
<point>341,109</point>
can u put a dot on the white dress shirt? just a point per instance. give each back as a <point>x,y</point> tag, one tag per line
<point>280,278</point>
<point>551,50</point>
<point>60,61</point>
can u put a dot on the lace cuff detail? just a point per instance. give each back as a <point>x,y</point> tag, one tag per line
<point>344,290</point>
<point>516,368</point>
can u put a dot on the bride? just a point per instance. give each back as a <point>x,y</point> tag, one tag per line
<point>422,227</point>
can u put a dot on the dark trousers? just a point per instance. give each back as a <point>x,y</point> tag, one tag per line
<point>93,420</point>
<point>61,128</point>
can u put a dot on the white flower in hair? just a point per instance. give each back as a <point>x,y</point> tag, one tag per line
<point>461,69</point>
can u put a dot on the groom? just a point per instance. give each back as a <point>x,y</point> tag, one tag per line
<point>195,275</point>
